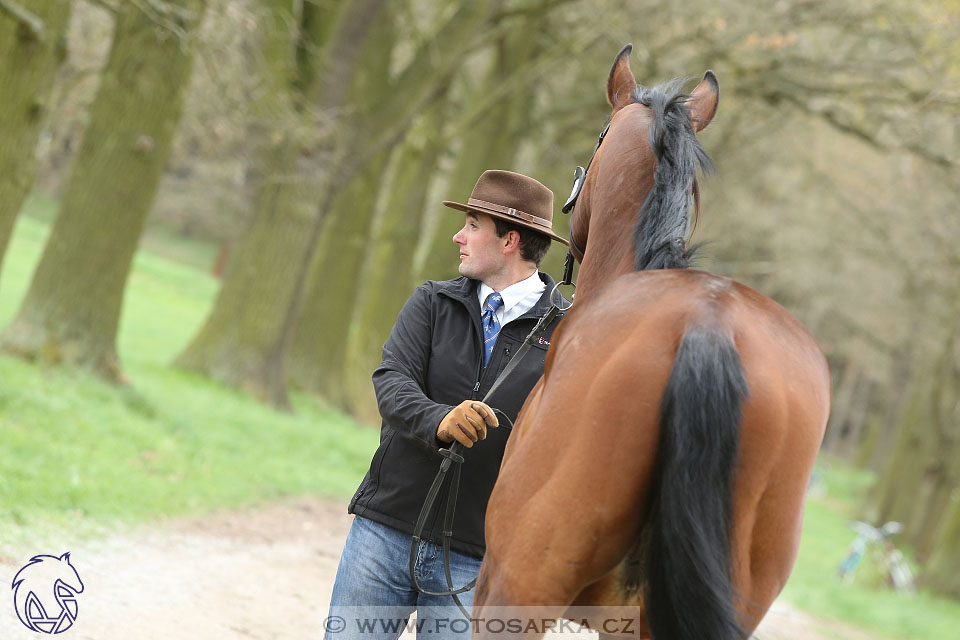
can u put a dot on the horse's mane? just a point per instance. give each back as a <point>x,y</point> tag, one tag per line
<point>663,222</point>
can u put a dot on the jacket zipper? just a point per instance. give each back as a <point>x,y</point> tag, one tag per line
<point>480,368</point>
<point>476,386</point>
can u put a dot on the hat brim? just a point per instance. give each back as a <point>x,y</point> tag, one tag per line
<point>517,221</point>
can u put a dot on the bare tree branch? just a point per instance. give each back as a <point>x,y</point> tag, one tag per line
<point>166,16</point>
<point>534,9</point>
<point>103,4</point>
<point>24,17</point>
<point>837,121</point>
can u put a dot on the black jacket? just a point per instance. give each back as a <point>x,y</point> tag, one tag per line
<point>432,361</point>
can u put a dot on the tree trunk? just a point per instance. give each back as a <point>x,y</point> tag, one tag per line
<point>490,143</point>
<point>844,395</point>
<point>72,310</point>
<point>923,472</point>
<point>894,495</point>
<point>935,501</point>
<point>943,570</point>
<point>317,359</point>
<point>943,472</point>
<point>28,66</point>
<point>858,420</point>
<point>885,433</point>
<point>386,284</point>
<point>244,340</point>
<point>385,111</point>
<point>346,147</point>
<point>239,342</point>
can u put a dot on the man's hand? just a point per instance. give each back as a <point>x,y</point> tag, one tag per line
<point>467,423</point>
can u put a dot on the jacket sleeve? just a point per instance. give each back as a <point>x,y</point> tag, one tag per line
<point>400,379</point>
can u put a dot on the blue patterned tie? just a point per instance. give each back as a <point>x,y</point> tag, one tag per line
<point>491,326</point>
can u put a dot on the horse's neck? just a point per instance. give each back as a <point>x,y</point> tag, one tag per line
<point>620,188</point>
<point>609,255</point>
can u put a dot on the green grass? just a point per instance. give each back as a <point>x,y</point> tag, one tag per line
<point>867,602</point>
<point>81,453</point>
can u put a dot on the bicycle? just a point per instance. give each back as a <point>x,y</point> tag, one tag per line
<point>886,556</point>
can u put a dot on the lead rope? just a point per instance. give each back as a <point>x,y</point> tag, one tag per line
<point>454,455</point>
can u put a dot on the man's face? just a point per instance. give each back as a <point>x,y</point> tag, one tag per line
<point>481,251</point>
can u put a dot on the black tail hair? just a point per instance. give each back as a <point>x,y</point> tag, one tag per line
<point>690,593</point>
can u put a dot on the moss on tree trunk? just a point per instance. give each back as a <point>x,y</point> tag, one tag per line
<point>357,127</point>
<point>28,66</point>
<point>318,353</point>
<point>943,568</point>
<point>490,143</point>
<point>245,338</point>
<point>240,343</point>
<point>922,475</point>
<point>72,309</point>
<point>386,284</point>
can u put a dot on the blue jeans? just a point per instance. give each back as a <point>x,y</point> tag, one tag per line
<point>373,595</point>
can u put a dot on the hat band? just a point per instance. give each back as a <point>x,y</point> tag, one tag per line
<point>510,211</point>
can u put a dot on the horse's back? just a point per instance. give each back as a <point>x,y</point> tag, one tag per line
<point>648,312</point>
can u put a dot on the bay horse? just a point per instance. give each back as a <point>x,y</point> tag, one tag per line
<point>660,464</point>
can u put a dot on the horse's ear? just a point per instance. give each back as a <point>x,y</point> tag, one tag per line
<point>703,101</point>
<point>65,556</point>
<point>621,83</point>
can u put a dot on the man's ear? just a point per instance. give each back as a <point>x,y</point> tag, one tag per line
<point>511,241</point>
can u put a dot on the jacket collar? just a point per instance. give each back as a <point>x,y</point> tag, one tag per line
<point>464,289</point>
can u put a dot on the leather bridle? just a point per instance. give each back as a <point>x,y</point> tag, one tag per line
<point>579,178</point>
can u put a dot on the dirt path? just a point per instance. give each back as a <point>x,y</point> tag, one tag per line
<point>260,574</point>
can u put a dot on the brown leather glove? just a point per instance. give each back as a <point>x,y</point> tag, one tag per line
<point>467,423</point>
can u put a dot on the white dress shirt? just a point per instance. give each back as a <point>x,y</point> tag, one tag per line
<point>518,298</point>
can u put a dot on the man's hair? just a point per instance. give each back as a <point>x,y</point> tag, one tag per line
<point>533,245</point>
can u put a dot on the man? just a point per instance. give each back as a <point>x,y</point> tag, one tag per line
<point>450,342</point>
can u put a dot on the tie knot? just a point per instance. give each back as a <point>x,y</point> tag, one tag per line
<point>494,302</point>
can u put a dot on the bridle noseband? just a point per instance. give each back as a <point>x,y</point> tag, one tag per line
<point>579,178</point>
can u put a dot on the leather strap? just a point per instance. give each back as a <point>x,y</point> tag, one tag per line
<point>451,456</point>
<point>510,211</point>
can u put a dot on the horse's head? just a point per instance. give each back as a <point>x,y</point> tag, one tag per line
<point>635,200</point>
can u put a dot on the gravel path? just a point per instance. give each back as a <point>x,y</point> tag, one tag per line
<point>258,574</point>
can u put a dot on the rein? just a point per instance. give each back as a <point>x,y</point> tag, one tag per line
<point>454,453</point>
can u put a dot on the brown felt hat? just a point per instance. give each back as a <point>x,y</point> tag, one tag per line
<point>513,197</point>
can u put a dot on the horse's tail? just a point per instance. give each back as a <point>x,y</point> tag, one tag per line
<point>690,591</point>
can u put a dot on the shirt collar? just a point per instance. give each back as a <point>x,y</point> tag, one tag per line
<point>515,292</point>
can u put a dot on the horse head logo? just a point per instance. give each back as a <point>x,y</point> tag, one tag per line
<point>45,593</point>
